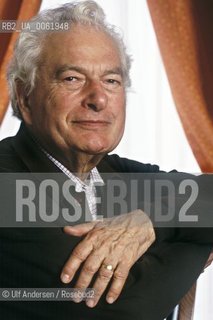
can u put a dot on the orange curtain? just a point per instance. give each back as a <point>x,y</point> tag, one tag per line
<point>184,30</point>
<point>11,10</point>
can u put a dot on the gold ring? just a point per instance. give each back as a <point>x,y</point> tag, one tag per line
<point>108,267</point>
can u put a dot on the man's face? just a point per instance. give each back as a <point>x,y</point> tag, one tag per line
<point>79,99</point>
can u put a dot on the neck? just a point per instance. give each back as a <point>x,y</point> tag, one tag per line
<point>78,163</point>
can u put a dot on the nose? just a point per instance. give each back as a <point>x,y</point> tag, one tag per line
<point>95,97</point>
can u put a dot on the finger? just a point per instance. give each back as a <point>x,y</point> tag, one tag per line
<point>80,229</point>
<point>90,267</point>
<point>119,278</point>
<point>79,254</point>
<point>104,276</point>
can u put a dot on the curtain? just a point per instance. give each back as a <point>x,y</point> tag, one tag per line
<point>184,33</point>
<point>11,10</point>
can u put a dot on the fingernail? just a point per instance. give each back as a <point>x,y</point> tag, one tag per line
<point>90,303</point>
<point>77,300</point>
<point>110,300</point>
<point>65,278</point>
<point>68,228</point>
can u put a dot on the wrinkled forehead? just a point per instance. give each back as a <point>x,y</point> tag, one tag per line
<point>81,43</point>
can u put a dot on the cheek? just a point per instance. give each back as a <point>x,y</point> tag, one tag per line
<point>65,105</point>
<point>120,112</point>
<point>58,110</point>
<point>58,100</point>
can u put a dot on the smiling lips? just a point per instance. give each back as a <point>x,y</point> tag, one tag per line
<point>91,123</point>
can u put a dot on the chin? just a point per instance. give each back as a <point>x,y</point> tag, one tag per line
<point>96,146</point>
<point>97,149</point>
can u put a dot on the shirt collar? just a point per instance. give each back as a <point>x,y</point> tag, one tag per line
<point>94,175</point>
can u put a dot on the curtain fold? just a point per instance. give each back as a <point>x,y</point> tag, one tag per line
<point>184,33</point>
<point>11,10</point>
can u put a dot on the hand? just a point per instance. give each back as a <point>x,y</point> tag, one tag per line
<point>110,248</point>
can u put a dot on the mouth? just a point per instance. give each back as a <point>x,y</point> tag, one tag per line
<point>93,124</point>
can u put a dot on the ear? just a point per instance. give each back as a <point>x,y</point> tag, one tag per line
<point>23,102</point>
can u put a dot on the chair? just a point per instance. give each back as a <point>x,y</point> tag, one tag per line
<point>185,310</point>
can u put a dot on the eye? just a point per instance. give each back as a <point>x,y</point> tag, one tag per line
<point>73,82</point>
<point>71,79</point>
<point>112,83</point>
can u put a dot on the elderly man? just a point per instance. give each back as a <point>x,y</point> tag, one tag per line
<point>69,90</point>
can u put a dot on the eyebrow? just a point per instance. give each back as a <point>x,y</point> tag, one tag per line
<point>116,70</point>
<point>66,67</point>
